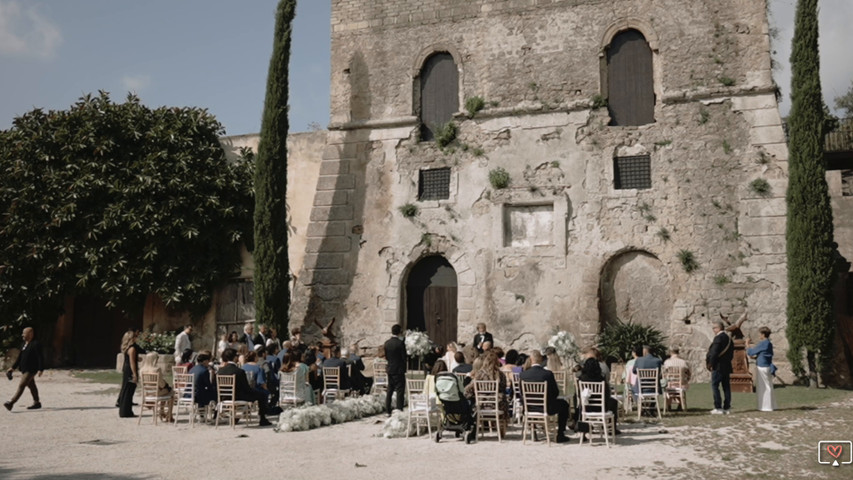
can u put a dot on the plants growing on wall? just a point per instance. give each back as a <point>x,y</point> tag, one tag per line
<point>474,105</point>
<point>760,186</point>
<point>499,178</point>
<point>409,210</point>
<point>445,134</point>
<point>688,261</point>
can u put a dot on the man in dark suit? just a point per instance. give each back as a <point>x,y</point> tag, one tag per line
<point>260,338</point>
<point>482,337</point>
<point>719,361</point>
<point>205,389</point>
<point>395,354</point>
<point>554,405</point>
<point>30,362</point>
<point>242,390</point>
<point>335,361</point>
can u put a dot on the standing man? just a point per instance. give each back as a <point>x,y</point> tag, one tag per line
<point>30,362</point>
<point>719,361</point>
<point>395,353</point>
<point>183,342</point>
<point>482,337</point>
<point>261,337</point>
<point>247,337</point>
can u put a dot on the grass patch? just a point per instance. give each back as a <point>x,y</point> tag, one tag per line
<point>760,186</point>
<point>409,210</point>
<point>99,376</point>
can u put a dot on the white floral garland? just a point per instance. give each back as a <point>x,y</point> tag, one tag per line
<point>314,416</point>
<point>418,344</point>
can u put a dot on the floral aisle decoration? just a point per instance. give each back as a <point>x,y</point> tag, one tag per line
<point>566,348</point>
<point>340,411</point>
<point>418,345</point>
<point>157,342</point>
<point>395,425</point>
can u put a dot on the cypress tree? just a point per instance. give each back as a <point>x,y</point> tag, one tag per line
<point>809,232</point>
<point>272,266</point>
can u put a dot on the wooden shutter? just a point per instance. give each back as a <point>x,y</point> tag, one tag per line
<point>439,93</point>
<point>631,93</point>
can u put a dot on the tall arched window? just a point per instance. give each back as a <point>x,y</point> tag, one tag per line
<point>630,80</point>
<point>439,93</point>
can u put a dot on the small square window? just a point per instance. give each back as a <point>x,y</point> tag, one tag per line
<point>632,172</point>
<point>434,184</point>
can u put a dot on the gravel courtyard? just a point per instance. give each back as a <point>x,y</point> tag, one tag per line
<point>78,435</point>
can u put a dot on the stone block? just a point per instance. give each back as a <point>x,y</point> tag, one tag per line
<point>334,167</point>
<point>335,182</point>
<point>323,261</point>
<point>327,229</point>
<point>322,214</point>
<point>755,102</point>
<point>766,135</point>
<point>765,117</point>
<point>762,226</point>
<point>332,244</point>
<point>765,207</point>
<point>331,197</point>
<point>327,277</point>
<point>768,244</point>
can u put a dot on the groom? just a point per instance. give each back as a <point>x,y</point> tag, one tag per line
<point>395,354</point>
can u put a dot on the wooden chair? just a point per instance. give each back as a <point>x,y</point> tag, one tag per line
<point>648,397</point>
<point>419,406</point>
<point>560,376</point>
<point>178,369</point>
<point>676,387</point>
<point>534,398</point>
<point>183,388</point>
<point>487,398</point>
<point>332,384</point>
<point>380,376</point>
<point>150,399</point>
<point>592,401</point>
<point>226,401</point>
<point>517,404</point>
<point>288,391</point>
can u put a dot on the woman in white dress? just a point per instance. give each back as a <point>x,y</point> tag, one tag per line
<point>450,356</point>
<point>763,355</point>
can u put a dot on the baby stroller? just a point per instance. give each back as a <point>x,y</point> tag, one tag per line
<point>455,410</point>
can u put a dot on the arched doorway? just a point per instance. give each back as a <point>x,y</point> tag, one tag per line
<point>431,292</point>
<point>634,288</point>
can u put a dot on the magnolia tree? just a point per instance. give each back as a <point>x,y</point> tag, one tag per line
<point>118,201</point>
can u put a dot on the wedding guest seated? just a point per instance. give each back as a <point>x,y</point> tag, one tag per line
<point>629,377</point>
<point>490,369</point>
<point>255,374</point>
<point>242,390</point>
<point>149,365</point>
<point>554,405</point>
<point>511,361</point>
<point>186,359</point>
<point>359,382</point>
<point>648,362</point>
<point>461,365</point>
<point>552,360</point>
<point>336,362</point>
<point>204,378</point>
<point>450,356</point>
<point>590,371</point>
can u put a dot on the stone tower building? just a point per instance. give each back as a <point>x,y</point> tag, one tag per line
<point>644,153</point>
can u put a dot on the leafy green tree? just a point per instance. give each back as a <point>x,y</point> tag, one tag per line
<point>272,265</point>
<point>117,201</point>
<point>809,235</point>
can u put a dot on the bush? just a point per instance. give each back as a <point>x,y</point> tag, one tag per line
<point>617,340</point>
<point>688,261</point>
<point>409,210</point>
<point>445,134</point>
<point>760,186</point>
<point>474,105</point>
<point>499,178</point>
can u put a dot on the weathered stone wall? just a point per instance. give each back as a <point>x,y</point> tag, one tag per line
<point>613,252</point>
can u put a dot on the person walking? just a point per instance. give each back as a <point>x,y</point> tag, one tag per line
<point>763,354</point>
<point>719,361</point>
<point>31,363</point>
<point>395,353</point>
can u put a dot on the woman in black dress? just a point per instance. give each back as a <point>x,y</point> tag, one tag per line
<point>130,373</point>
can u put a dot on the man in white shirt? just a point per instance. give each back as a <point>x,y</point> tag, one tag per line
<point>183,342</point>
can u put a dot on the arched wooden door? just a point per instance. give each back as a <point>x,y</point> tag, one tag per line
<point>431,292</point>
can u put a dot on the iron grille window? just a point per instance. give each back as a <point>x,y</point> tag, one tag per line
<point>434,184</point>
<point>632,172</point>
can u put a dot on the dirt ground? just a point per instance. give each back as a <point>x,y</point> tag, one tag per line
<point>78,435</point>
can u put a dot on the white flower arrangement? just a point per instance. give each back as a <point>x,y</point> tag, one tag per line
<point>418,344</point>
<point>565,346</point>
<point>395,425</point>
<point>340,411</point>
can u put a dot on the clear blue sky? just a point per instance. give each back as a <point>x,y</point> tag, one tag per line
<point>215,54</point>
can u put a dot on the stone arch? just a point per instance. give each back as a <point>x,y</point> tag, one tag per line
<point>635,286</point>
<point>423,62</point>
<point>630,23</point>
<point>395,312</point>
